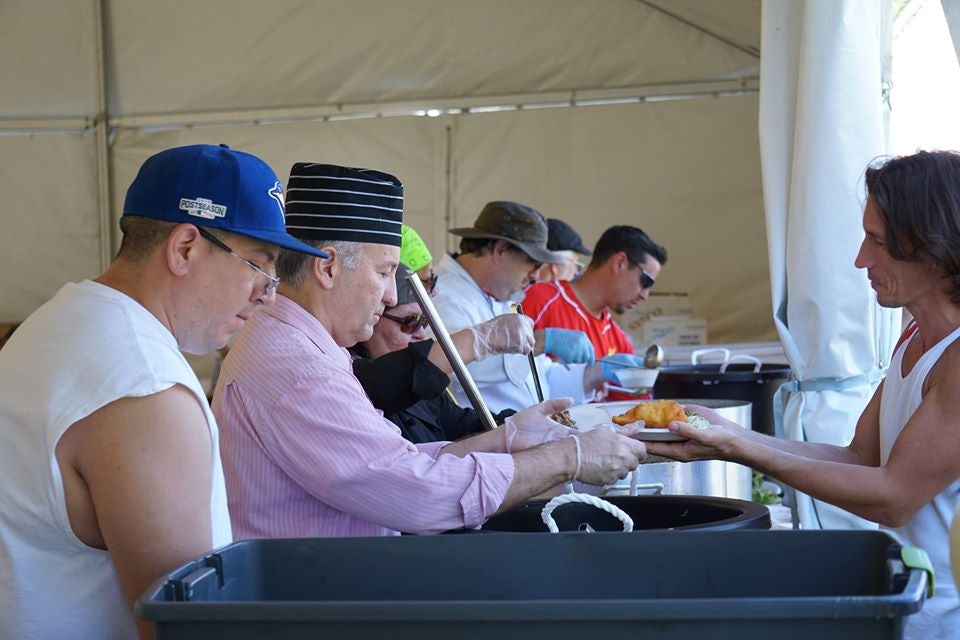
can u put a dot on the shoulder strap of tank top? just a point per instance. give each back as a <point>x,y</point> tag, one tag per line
<point>907,333</point>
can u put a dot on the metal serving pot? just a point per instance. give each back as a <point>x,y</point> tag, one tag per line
<point>700,478</point>
<point>751,382</point>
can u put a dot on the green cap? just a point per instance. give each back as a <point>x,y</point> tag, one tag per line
<point>413,251</point>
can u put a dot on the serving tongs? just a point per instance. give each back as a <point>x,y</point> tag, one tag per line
<point>532,359</point>
<point>446,343</point>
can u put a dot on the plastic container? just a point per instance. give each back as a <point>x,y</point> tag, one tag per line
<point>789,585</point>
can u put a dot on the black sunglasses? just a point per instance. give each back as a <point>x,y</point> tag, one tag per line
<point>646,280</point>
<point>410,323</point>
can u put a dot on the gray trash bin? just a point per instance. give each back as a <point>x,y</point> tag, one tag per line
<point>748,585</point>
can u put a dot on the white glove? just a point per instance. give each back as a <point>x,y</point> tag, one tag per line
<point>533,426</point>
<point>508,333</point>
<point>607,454</point>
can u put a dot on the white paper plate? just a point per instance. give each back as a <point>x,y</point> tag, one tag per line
<point>589,416</point>
<point>657,435</point>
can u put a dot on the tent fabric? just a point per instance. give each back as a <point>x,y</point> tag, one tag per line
<point>595,177</point>
<point>293,53</point>
<point>821,124</point>
<point>51,224</point>
<point>642,166</point>
<point>267,77</point>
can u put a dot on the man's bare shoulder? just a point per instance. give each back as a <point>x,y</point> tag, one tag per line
<point>125,425</point>
<point>945,372</point>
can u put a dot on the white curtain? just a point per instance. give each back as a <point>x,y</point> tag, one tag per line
<point>821,123</point>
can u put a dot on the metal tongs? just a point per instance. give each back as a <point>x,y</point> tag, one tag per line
<point>446,343</point>
<point>532,359</point>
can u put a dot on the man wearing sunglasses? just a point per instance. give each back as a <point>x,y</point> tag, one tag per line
<point>624,267</point>
<point>396,367</point>
<point>306,454</point>
<point>406,375</point>
<point>110,458</point>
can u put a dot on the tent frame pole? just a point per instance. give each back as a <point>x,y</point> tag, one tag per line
<point>101,136</point>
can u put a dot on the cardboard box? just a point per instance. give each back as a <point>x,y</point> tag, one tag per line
<point>671,331</point>
<point>660,303</point>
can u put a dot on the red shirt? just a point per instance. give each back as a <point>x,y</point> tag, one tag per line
<point>554,304</point>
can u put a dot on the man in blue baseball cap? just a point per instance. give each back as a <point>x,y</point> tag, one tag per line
<point>111,462</point>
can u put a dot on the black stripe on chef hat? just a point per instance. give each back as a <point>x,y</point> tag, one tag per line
<point>329,202</point>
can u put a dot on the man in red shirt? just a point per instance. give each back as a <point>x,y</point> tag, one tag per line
<point>623,269</point>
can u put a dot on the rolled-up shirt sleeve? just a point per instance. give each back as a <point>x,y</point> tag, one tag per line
<point>328,438</point>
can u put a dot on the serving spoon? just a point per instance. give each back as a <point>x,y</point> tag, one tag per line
<point>653,356</point>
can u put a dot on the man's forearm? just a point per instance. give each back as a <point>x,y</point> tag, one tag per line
<point>540,468</point>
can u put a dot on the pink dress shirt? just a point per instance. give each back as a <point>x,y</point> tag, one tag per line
<point>305,454</point>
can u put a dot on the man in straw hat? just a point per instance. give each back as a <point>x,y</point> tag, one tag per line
<point>306,454</point>
<point>111,466</point>
<point>499,257</point>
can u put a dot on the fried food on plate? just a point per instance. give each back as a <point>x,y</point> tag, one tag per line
<point>655,414</point>
<point>563,417</point>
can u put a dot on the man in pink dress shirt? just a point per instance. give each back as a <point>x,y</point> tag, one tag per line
<point>305,453</point>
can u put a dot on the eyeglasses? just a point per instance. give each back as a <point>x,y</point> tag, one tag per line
<point>410,323</point>
<point>646,280</point>
<point>272,281</point>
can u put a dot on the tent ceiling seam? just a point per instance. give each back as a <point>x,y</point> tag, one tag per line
<point>747,49</point>
<point>452,106</point>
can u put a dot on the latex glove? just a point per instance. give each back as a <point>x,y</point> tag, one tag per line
<point>533,426</point>
<point>609,365</point>
<point>605,455</point>
<point>568,345</point>
<point>508,333</point>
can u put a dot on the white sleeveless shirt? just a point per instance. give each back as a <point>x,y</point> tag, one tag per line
<point>86,347</point>
<point>929,528</point>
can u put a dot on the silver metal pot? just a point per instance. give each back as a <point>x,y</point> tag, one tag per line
<point>701,478</point>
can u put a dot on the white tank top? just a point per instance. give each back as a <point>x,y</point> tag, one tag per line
<point>86,347</point>
<point>929,528</point>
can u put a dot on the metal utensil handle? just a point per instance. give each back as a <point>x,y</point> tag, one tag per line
<point>547,512</point>
<point>446,343</point>
<point>614,363</point>
<point>757,365</point>
<point>699,353</point>
<point>532,359</point>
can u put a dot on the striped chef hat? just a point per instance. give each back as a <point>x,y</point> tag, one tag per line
<point>329,202</point>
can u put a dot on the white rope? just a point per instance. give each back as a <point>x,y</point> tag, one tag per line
<point>567,498</point>
<point>576,441</point>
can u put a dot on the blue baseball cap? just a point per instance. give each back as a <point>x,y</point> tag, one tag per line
<point>214,187</point>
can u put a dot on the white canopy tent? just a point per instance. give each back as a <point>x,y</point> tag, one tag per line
<point>572,107</point>
<point>636,112</point>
